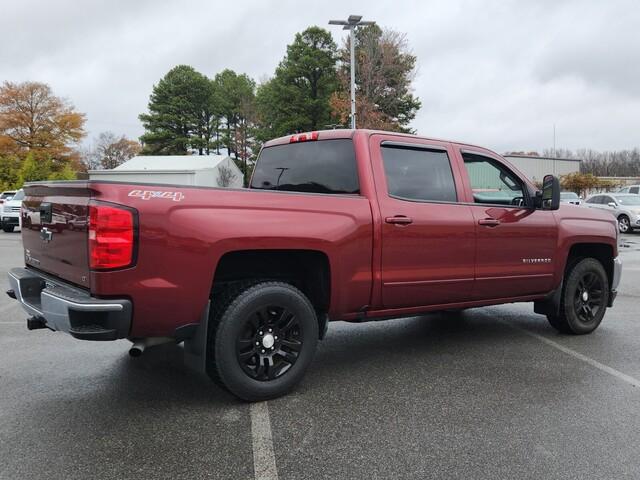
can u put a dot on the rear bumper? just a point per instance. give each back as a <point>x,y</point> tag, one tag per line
<point>62,307</point>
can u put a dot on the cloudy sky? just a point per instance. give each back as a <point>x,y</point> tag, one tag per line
<point>499,73</point>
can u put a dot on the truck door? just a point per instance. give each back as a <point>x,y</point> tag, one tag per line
<point>516,244</point>
<point>428,238</point>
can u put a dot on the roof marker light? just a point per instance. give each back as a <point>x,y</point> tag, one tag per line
<point>303,137</point>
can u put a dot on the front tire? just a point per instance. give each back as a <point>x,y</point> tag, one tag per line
<point>585,296</point>
<point>8,228</point>
<point>624,224</point>
<point>262,339</point>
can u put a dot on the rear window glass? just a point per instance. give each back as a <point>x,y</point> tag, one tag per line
<point>327,166</point>
<point>418,174</point>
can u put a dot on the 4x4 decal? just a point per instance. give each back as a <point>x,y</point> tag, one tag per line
<point>149,194</point>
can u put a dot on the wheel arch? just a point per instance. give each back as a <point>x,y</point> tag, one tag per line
<point>307,270</point>
<point>603,252</point>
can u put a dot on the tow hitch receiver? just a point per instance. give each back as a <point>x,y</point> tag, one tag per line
<point>36,323</point>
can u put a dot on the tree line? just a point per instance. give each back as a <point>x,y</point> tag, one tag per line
<point>309,90</point>
<point>616,163</point>
<point>41,134</point>
<point>227,112</point>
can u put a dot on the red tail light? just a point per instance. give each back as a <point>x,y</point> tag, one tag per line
<point>111,237</point>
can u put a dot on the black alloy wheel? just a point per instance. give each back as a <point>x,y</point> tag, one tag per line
<point>585,297</point>
<point>588,297</point>
<point>270,343</point>
<point>262,338</point>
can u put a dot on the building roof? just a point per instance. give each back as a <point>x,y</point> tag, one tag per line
<point>172,162</point>
<point>534,157</point>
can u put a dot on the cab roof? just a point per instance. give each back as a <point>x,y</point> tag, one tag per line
<point>350,133</point>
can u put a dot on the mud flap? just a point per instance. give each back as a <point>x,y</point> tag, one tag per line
<point>551,304</point>
<point>195,347</point>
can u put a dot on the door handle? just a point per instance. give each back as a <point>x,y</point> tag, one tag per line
<point>489,222</point>
<point>399,220</point>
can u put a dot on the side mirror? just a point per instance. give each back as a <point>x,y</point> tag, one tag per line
<point>550,193</point>
<point>612,204</point>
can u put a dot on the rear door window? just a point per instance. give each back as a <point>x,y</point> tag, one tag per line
<point>326,166</point>
<point>418,174</point>
<point>634,190</point>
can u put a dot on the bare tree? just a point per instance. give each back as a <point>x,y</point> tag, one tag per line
<point>111,150</point>
<point>225,176</point>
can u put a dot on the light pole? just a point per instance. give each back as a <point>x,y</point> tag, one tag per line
<point>350,24</point>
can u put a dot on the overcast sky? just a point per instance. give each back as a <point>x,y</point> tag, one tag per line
<point>498,73</point>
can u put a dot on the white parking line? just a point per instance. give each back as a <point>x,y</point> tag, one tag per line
<point>594,363</point>
<point>264,460</point>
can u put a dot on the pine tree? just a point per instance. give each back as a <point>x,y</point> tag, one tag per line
<point>176,120</point>
<point>297,98</point>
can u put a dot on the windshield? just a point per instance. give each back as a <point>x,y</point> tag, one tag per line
<point>628,199</point>
<point>19,195</point>
<point>567,195</point>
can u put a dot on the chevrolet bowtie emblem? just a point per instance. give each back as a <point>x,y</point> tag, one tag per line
<point>46,235</point>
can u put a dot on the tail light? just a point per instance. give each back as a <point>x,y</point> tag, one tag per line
<point>111,237</point>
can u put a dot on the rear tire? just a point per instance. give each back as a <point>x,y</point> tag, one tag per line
<point>585,296</point>
<point>8,228</point>
<point>262,339</point>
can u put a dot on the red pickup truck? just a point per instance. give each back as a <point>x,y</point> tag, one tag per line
<point>351,225</point>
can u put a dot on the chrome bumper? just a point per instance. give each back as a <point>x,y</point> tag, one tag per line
<point>617,273</point>
<point>64,308</point>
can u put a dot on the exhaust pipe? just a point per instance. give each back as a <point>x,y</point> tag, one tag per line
<point>140,345</point>
<point>137,349</point>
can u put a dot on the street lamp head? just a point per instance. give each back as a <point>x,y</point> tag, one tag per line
<point>338,22</point>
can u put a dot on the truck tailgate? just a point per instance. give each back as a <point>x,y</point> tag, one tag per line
<point>54,230</point>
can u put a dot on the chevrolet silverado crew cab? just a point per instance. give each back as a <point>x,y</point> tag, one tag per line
<point>350,225</point>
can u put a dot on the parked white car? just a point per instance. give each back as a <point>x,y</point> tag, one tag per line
<point>570,197</point>
<point>630,189</point>
<point>10,212</point>
<point>625,207</point>
<point>6,195</point>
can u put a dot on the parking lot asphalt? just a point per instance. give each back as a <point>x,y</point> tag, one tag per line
<point>487,393</point>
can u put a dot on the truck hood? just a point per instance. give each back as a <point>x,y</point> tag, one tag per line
<point>569,211</point>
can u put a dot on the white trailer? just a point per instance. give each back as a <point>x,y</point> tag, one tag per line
<point>197,170</point>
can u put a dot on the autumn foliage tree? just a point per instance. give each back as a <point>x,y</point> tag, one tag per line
<point>34,120</point>
<point>39,134</point>
<point>584,182</point>
<point>384,71</point>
